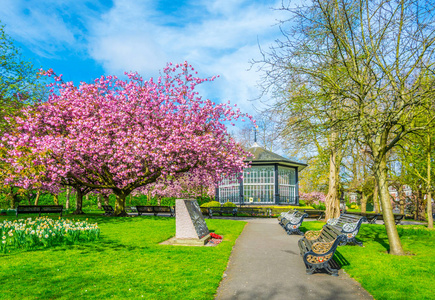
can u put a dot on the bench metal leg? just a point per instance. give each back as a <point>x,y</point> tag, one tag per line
<point>294,231</point>
<point>353,241</point>
<point>332,272</point>
<point>310,270</point>
<point>358,243</point>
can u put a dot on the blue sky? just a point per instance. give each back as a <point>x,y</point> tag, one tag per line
<point>85,39</point>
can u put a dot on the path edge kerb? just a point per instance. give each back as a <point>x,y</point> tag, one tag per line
<point>224,274</point>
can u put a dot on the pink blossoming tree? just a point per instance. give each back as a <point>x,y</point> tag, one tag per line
<point>125,134</point>
<point>313,198</point>
<point>189,185</point>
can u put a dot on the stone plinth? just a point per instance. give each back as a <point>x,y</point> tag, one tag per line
<point>190,226</point>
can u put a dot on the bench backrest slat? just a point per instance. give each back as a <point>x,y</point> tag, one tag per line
<point>144,208</point>
<point>38,209</point>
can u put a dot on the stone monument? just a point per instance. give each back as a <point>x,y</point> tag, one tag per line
<point>190,226</point>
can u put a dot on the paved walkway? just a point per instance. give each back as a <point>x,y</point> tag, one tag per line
<point>265,264</point>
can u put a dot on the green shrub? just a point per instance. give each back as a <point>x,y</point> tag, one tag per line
<point>229,204</point>
<point>319,206</point>
<point>211,204</point>
<point>301,202</point>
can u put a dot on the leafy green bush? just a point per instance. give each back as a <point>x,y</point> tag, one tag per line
<point>319,206</point>
<point>211,204</point>
<point>229,204</point>
<point>301,202</point>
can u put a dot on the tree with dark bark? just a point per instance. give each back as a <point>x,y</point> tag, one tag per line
<point>381,52</point>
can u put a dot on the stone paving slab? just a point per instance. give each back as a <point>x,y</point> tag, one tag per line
<point>265,264</point>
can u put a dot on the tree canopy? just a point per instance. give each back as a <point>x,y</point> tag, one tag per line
<point>125,134</point>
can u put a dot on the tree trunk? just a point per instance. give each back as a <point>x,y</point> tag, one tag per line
<point>402,206</point>
<point>99,201</point>
<point>387,211</point>
<point>429,187</point>
<point>332,201</point>
<point>376,199</point>
<point>13,198</point>
<point>38,194</point>
<point>106,199</point>
<point>363,202</point>
<point>120,204</point>
<point>417,204</point>
<point>68,194</point>
<point>129,198</point>
<point>79,202</point>
<point>56,199</point>
<point>429,210</point>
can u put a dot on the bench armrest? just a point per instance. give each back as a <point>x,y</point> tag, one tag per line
<point>312,234</point>
<point>322,247</point>
<point>322,252</point>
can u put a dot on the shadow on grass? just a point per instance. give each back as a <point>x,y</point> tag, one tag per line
<point>374,233</point>
<point>339,260</point>
<point>100,219</point>
<point>101,245</point>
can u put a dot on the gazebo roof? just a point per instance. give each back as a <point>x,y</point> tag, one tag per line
<point>263,156</point>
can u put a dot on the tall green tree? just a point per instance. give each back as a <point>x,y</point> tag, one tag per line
<point>417,157</point>
<point>19,86</point>
<point>19,80</point>
<point>379,52</point>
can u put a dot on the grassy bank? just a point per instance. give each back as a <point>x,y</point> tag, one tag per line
<point>127,262</point>
<point>386,276</point>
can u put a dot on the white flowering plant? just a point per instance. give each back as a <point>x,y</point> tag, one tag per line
<point>45,232</point>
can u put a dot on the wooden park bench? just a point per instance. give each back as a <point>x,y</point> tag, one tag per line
<point>292,221</point>
<point>39,209</point>
<point>286,213</point>
<point>164,209</point>
<point>155,210</point>
<point>314,213</point>
<point>318,253</point>
<point>371,218</point>
<point>347,224</point>
<point>222,210</point>
<point>254,211</point>
<point>205,211</point>
<point>131,209</point>
<point>108,210</point>
<point>398,218</point>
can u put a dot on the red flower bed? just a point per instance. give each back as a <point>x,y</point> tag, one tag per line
<point>215,236</point>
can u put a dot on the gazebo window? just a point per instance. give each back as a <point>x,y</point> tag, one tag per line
<point>229,189</point>
<point>258,184</point>
<point>287,185</point>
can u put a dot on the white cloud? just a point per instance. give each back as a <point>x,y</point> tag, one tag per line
<point>221,41</point>
<point>217,37</point>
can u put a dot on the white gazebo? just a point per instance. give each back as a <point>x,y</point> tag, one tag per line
<point>271,180</point>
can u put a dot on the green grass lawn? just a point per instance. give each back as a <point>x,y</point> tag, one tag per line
<point>386,276</point>
<point>127,262</point>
